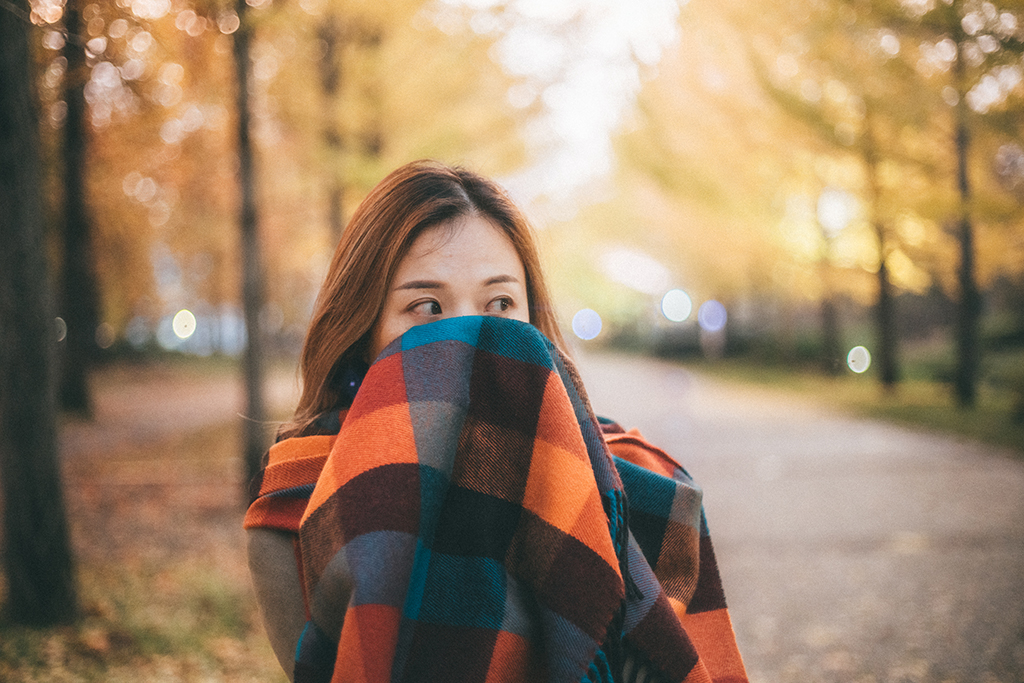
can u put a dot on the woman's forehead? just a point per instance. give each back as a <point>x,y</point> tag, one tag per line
<point>466,242</point>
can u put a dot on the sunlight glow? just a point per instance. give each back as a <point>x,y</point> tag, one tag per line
<point>836,208</point>
<point>585,79</point>
<point>636,270</point>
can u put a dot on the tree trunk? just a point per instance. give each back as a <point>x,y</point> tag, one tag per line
<point>887,352</point>
<point>37,558</point>
<point>79,301</point>
<point>332,37</point>
<point>830,349</point>
<point>885,319</point>
<point>254,443</point>
<point>335,209</point>
<point>969,309</point>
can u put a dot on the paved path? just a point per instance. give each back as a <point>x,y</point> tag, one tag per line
<point>851,550</point>
<point>140,405</point>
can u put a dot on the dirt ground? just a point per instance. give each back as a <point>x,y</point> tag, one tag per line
<point>153,490</point>
<point>157,469</point>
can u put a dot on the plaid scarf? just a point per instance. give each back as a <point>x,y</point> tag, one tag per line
<point>464,519</point>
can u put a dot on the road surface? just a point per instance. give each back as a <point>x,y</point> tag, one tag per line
<point>851,550</point>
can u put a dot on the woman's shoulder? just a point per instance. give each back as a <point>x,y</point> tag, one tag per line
<point>631,446</point>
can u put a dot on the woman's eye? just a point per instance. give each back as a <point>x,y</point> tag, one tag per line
<point>427,308</point>
<point>500,305</point>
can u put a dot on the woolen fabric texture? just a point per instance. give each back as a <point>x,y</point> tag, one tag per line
<point>467,518</point>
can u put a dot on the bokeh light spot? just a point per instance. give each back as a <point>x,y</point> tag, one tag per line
<point>859,359</point>
<point>184,324</point>
<point>228,22</point>
<point>105,335</point>
<point>712,316</point>
<point>676,305</point>
<point>586,324</point>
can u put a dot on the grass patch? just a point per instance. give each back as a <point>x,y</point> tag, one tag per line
<point>918,402</point>
<point>168,624</point>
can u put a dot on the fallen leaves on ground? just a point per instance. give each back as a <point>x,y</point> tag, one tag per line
<point>164,588</point>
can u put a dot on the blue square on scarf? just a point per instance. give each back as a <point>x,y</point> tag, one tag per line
<point>463,591</point>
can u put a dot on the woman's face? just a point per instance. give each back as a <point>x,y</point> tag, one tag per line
<point>466,268</point>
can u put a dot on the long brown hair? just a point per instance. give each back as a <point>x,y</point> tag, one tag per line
<point>417,196</point>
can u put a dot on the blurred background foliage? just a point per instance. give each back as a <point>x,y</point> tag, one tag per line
<point>836,172</point>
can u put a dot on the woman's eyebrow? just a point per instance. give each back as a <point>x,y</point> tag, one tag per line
<point>499,279</point>
<point>436,284</point>
<point>420,284</point>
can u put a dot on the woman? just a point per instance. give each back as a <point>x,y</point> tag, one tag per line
<point>444,505</point>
